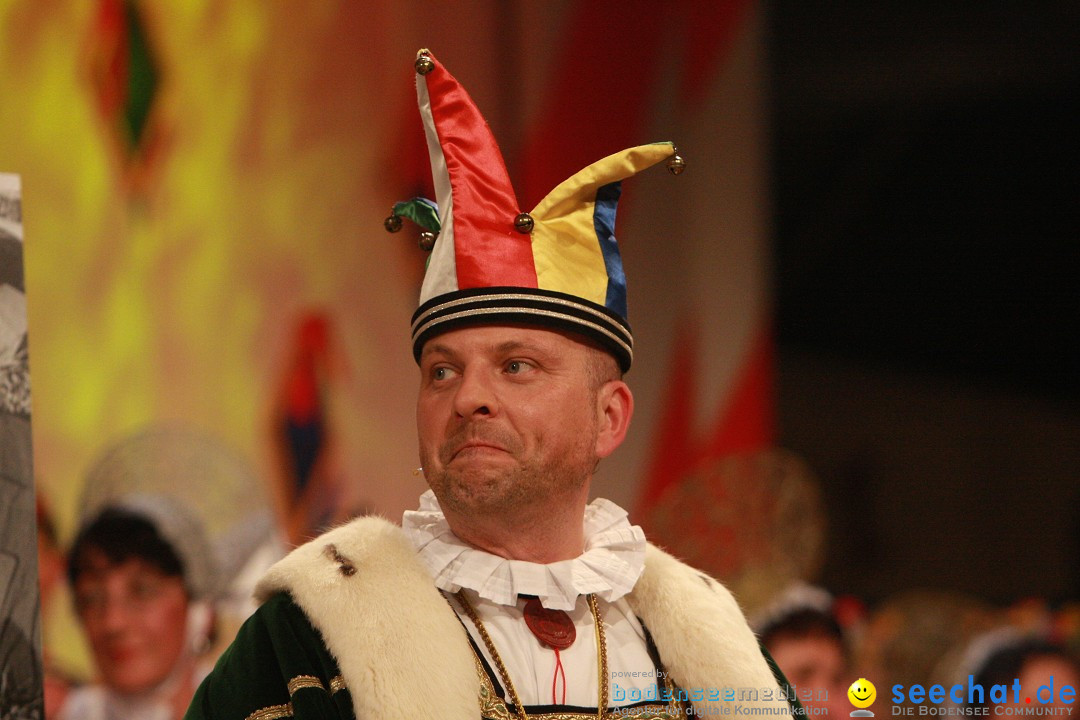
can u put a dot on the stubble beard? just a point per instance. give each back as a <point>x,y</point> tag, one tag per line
<point>517,490</point>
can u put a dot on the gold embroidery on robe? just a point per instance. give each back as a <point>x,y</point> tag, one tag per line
<point>304,681</point>
<point>274,712</point>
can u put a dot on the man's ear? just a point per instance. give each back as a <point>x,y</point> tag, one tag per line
<point>614,408</point>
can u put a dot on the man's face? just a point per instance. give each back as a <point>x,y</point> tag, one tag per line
<point>816,663</point>
<point>507,419</point>
<point>134,617</point>
<point>1048,670</point>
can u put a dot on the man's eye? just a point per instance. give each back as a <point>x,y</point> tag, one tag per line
<point>441,373</point>
<point>516,366</point>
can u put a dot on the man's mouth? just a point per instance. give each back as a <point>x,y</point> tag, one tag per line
<point>476,447</point>
<point>475,443</point>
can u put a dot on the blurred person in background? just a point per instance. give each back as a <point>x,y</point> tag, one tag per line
<point>207,481</point>
<point>804,638</point>
<point>142,576</point>
<point>1005,656</point>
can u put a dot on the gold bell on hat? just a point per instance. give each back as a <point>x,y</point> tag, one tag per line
<point>424,64</point>
<point>676,164</point>
<point>427,241</point>
<point>523,223</point>
<point>392,223</point>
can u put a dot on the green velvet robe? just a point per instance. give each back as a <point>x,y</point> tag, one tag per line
<point>278,667</point>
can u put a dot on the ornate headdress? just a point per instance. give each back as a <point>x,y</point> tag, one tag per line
<point>557,266</point>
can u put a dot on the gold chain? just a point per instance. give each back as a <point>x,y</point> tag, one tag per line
<point>601,644</point>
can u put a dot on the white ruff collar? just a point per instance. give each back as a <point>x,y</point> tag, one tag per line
<point>612,562</point>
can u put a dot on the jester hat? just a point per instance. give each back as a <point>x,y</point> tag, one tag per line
<point>557,266</point>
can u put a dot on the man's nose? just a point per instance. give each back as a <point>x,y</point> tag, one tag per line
<point>475,395</point>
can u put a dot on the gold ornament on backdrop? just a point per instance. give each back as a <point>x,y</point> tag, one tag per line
<point>756,522</point>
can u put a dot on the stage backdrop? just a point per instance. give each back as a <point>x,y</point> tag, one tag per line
<point>205,184</point>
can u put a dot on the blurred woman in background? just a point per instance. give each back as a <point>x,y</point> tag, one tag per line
<point>142,577</point>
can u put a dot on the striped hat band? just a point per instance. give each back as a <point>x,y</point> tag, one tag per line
<point>528,306</point>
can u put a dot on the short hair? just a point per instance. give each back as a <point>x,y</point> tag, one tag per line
<point>807,622</point>
<point>600,365</point>
<point>1006,664</point>
<point>121,535</point>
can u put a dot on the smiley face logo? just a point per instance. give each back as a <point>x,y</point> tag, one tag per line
<point>862,693</point>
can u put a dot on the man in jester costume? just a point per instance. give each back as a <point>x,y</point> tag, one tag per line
<point>507,594</point>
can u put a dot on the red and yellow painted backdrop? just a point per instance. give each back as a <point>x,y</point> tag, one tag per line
<point>166,272</point>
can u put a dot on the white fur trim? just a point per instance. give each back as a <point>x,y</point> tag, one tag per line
<point>700,633</point>
<point>401,650</point>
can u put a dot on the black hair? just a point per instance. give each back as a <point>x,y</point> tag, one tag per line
<point>122,535</point>
<point>1006,664</point>
<point>807,622</point>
